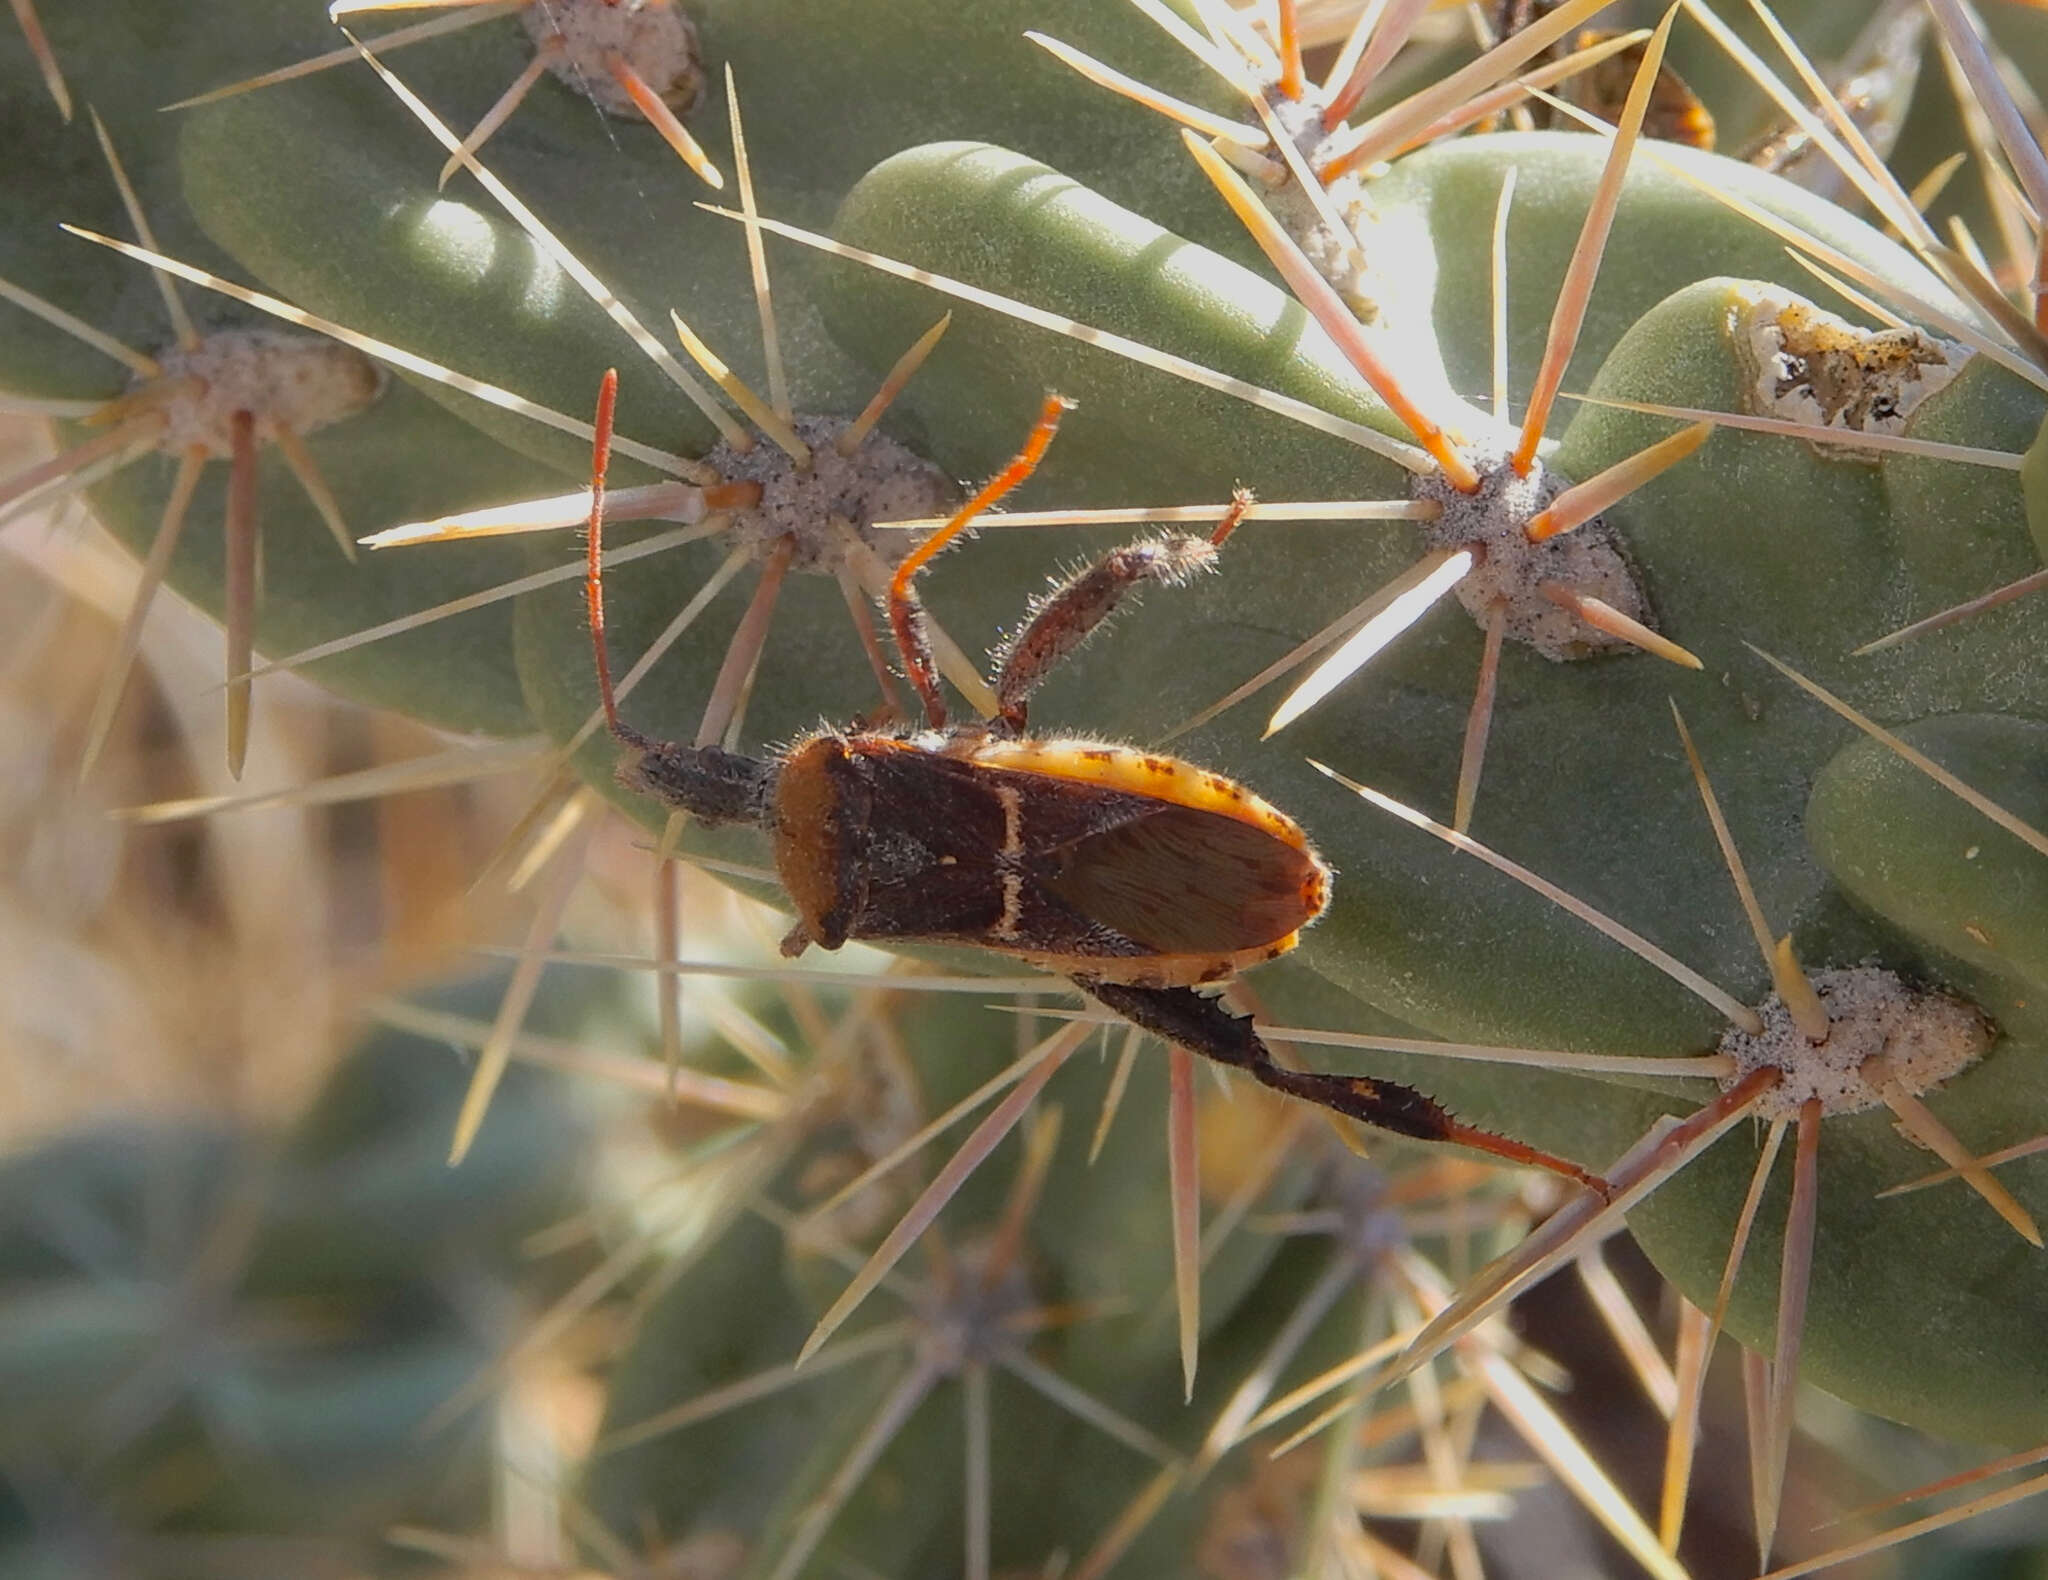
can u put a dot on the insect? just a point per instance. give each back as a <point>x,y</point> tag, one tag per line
<point>1138,877</point>
<point>1676,113</point>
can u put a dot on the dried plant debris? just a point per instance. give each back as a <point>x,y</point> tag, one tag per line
<point>1806,365</point>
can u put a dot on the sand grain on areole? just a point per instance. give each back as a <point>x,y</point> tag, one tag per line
<point>1921,1035</point>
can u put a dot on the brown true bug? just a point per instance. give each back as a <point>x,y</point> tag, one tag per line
<point>1136,876</point>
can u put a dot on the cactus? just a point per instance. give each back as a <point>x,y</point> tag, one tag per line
<point>1763,559</point>
<point>217,1337</point>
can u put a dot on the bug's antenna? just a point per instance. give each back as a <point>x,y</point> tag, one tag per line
<point>593,580</point>
<point>905,612</point>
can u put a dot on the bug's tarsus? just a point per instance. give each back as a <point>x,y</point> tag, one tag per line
<point>1241,502</point>
<point>906,613</point>
<point>1202,1025</point>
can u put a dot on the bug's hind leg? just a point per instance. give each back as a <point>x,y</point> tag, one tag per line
<point>1063,619</point>
<point>1202,1025</point>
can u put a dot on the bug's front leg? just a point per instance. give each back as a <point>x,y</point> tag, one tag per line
<point>1202,1025</point>
<point>906,611</point>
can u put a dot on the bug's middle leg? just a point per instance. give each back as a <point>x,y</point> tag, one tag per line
<point>1202,1025</point>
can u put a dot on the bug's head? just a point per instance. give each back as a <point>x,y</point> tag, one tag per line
<point>713,786</point>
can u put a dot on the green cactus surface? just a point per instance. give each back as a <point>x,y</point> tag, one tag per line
<point>939,137</point>
<point>214,1336</point>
